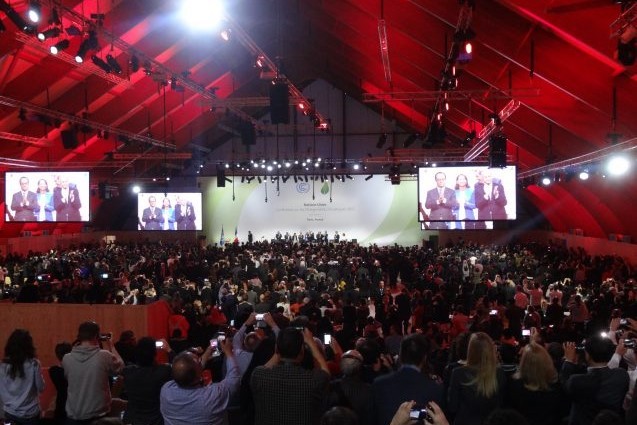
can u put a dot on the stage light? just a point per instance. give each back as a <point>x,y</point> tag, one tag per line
<point>59,46</point>
<point>134,63</point>
<point>226,34</point>
<point>259,180</point>
<point>618,165</point>
<point>87,44</point>
<point>136,188</point>
<point>35,11</point>
<point>369,177</point>
<point>101,64</point>
<point>113,64</point>
<point>54,19</point>
<point>583,175</point>
<point>14,17</point>
<point>546,180</point>
<point>202,14</point>
<point>349,177</point>
<point>356,166</point>
<point>50,33</point>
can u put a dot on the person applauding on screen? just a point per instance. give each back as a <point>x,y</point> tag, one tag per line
<point>185,215</point>
<point>152,216</point>
<point>24,202</point>
<point>66,200</point>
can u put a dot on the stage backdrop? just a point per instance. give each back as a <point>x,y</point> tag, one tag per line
<point>370,211</point>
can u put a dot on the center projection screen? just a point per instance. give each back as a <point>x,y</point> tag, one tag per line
<point>466,197</point>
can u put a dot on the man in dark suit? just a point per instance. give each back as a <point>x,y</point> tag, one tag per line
<point>66,201</point>
<point>408,383</point>
<point>152,216</point>
<point>596,387</point>
<point>185,215</point>
<point>440,201</point>
<point>24,202</point>
<point>490,198</point>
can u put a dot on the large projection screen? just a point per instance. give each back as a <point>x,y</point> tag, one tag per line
<point>365,209</point>
<point>47,196</point>
<point>169,211</point>
<point>466,197</point>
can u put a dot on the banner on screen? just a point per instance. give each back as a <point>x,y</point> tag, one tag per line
<point>466,197</point>
<point>47,196</point>
<point>169,211</point>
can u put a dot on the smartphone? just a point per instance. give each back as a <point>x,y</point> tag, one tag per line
<point>327,339</point>
<point>567,313</point>
<point>451,317</point>
<point>221,337</point>
<point>214,343</point>
<point>418,413</point>
<point>526,332</point>
<point>493,312</point>
<point>623,322</point>
<point>259,316</point>
<point>159,344</point>
<point>232,322</point>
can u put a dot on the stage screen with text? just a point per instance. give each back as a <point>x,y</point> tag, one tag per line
<point>169,211</point>
<point>47,196</point>
<point>466,197</point>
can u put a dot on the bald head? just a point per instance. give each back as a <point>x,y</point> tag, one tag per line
<point>187,370</point>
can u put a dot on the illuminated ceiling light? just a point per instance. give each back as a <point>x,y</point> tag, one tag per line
<point>269,168</point>
<point>50,33</point>
<point>87,44</point>
<point>113,64</point>
<point>226,34</point>
<point>288,164</point>
<point>546,180</point>
<point>14,17</point>
<point>301,105</point>
<point>59,46</point>
<point>618,165</point>
<point>35,11</point>
<point>583,175</point>
<point>468,48</point>
<point>202,15</point>
<point>356,166</point>
<point>136,188</point>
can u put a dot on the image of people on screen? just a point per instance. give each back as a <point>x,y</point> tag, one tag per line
<point>24,202</point>
<point>441,201</point>
<point>466,203</point>
<point>185,214</point>
<point>44,208</point>
<point>168,212</point>
<point>66,200</point>
<point>490,197</point>
<point>152,216</point>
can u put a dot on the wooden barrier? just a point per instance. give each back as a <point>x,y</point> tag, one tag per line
<point>50,324</point>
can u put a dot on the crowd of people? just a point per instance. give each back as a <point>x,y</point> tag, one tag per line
<point>308,333</point>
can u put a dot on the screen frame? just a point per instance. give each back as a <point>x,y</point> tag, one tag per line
<point>468,169</point>
<point>13,176</point>
<point>142,204</point>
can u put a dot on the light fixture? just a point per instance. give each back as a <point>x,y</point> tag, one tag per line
<point>583,175</point>
<point>226,34</point>
<point>59,46</point>
<point>202,15</point>
<point>87,44</point>
<point>35,11</point>
<point>49,33</point>
<point>546,180</point>
<point>618,165</point>
<point>369,177</point>
<point>99,62</point>
<point>113,64</point>
<point>14,17</point>
<point>356,166</point>
<point>136,188</point>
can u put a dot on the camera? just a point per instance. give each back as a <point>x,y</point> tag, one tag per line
<point>260,316</point>
<point>623,322</point>
<point>419,413</point>
<point>327,339</point>
<point>567,313</point>
<point>630,343</point>
<point>580,349</point>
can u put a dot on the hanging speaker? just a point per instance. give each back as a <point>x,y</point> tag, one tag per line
<point>69,139</point>
<point>498,151</point>
<point>279,104</point>
<point>221,177</point>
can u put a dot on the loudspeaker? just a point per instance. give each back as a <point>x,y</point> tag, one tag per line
<point>69,139</point>
<point>279,104</point>
<point>248,133</point>
<point>221,177</point>
<point>498,151</point>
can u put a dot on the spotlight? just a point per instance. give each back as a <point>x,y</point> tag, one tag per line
<point>87,44</point>
<point>356,166</point>
<point>136,189</point>
<point>134,63</point>
<point>50,33</point>
<point>54,19</point>
<point>369,177</point>
<point>101,64</point>
<point>618,165</point>
<point>59,46</point>
<point>583,175</point>
<point>73,31</point>
<point>14,17</point>
<point>546,180</point>
<point>202,14</point>
<point>35,11</point>
<point>113,64</point>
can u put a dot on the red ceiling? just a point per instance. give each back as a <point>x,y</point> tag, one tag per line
<point>572,59</point>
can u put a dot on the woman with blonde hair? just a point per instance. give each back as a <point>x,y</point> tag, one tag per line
<point>534,390</point>
<point>477,388</point>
